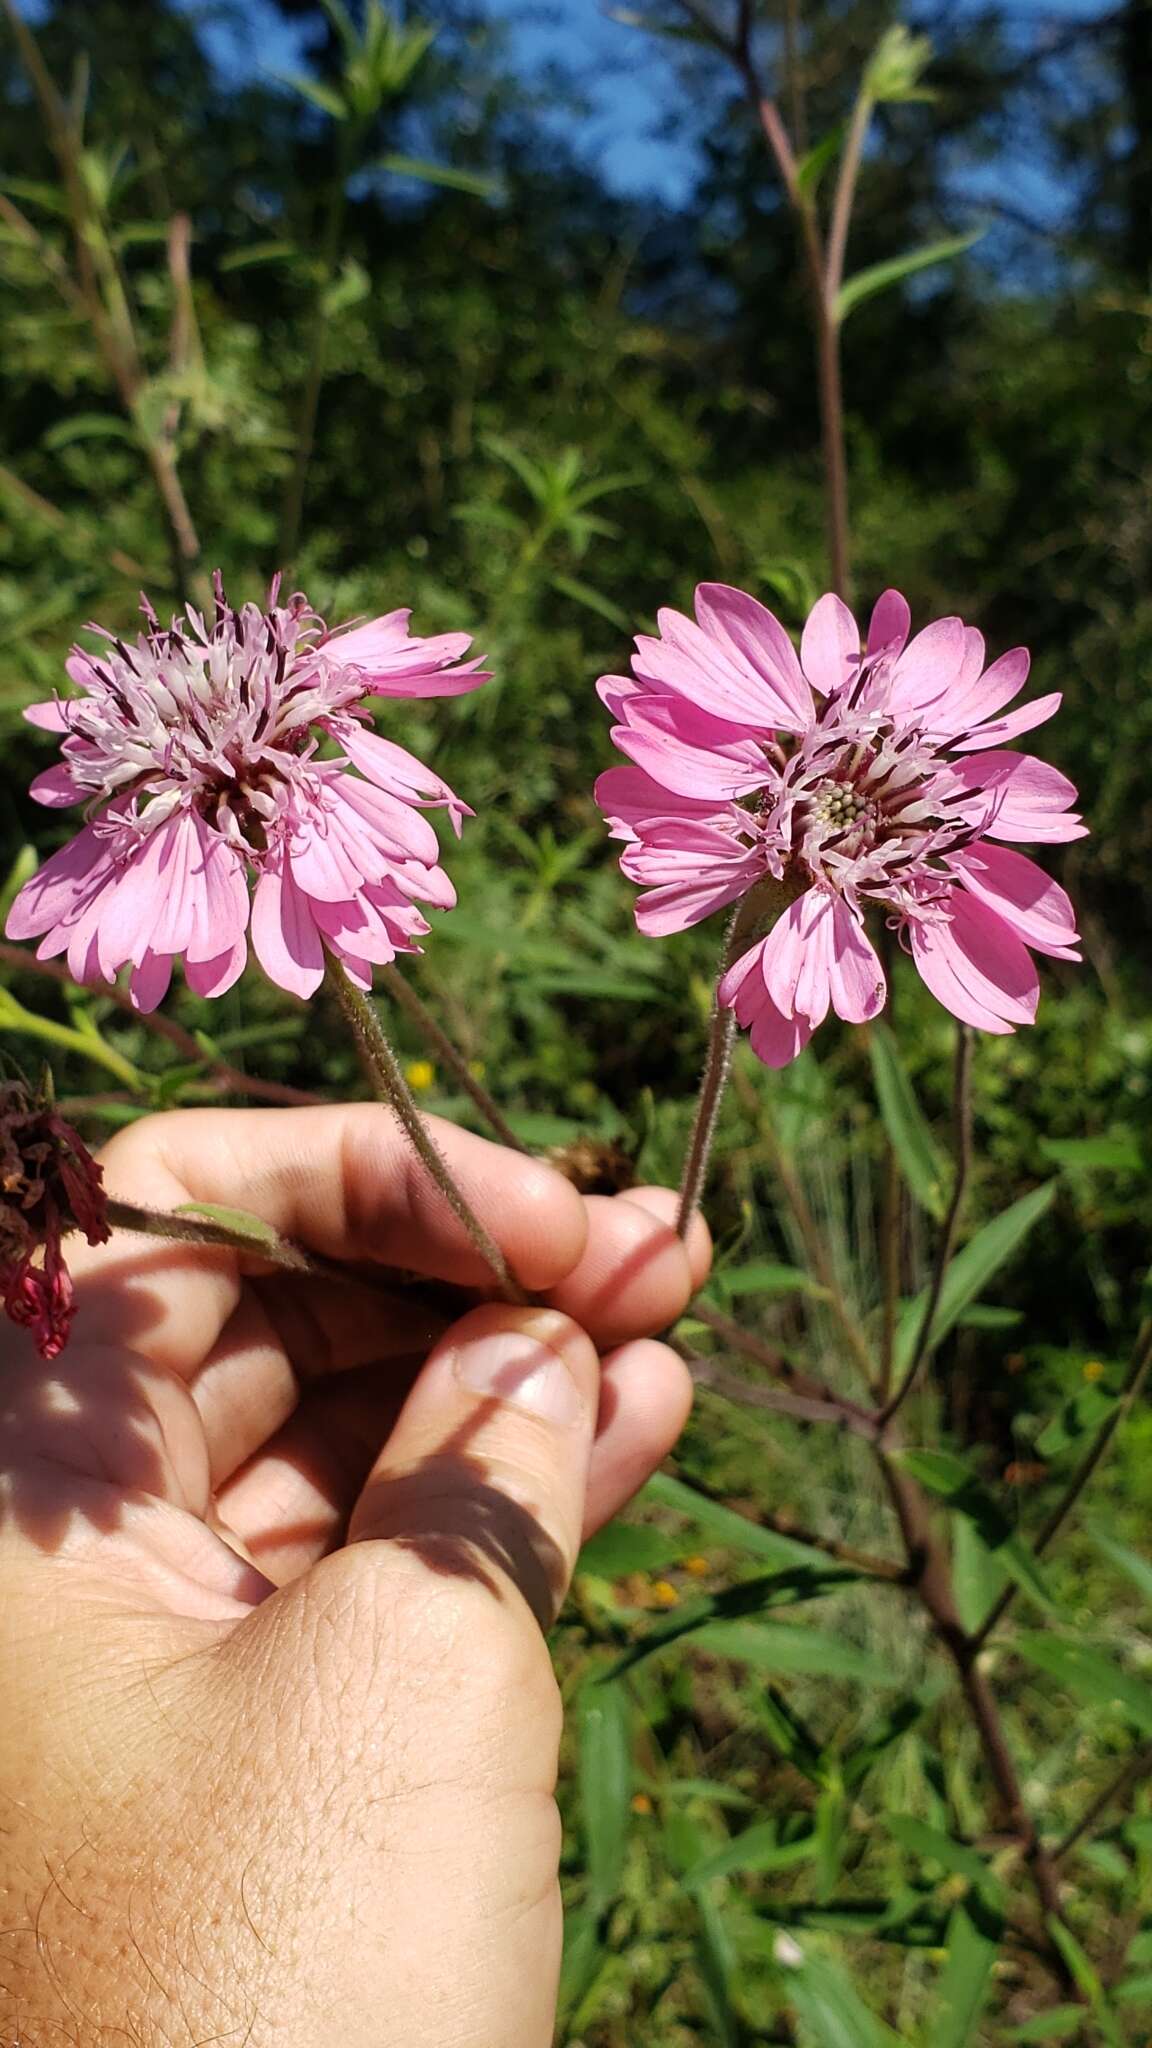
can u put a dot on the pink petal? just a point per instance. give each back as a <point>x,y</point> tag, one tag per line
<point>216,977</point>
<point>677,905</point>
<point>628,797</point>
<point>796,961</point>
<point>655,741</point>
<point>397,664</point>
<point>1022,895</point>
<point>394,826</point>
<point>830,646</point>
<point>977,967</point>
<point>393,769</point>
<point>930,665</point>
<point>756,641</point>
<point>1017,797</point>
<point>56,788</point>
<point>59,890</point>
<point>149,981</point>
<point>990,692</point>
<point>857,979</point>
<point>284,935</point>
<point>889,625</point>
<point>1013,723</point>
<point>50,717</point>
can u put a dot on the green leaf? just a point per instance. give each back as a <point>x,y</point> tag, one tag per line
<point>879,276</point>
<point>934,1846</point>
<point>826,2003</point>
<point>855,1767</point>
<point>734,1531</point>
<point>1079,1416</point>
<point>920,1158</point>
<point>952,1480</point>
<point>89,426</point>
<point>810,168</point>
<point>1091,1676</point>
<point>1138,1568</point>
<point>1134,1991</point>
<point>751,1596</point>
<point>765,1276</point>
<point>970,1271</point>
<point>807,1652</point>
<point>757,1849</point>
<point>1085,1975</point>
<point>982,1316</point>
<point>1061,2024</point>
<point>592,601</point>
<point>978,1575</point>
<point>623,1547</point>
<point>445,175</point>
<point>585,1955</point>
<point>1118,1154</point>
<point>240,1221</point>
<point>321,96</point>
<point>265,252</point>
<point>605,1772</point>
<point>966,1980</point>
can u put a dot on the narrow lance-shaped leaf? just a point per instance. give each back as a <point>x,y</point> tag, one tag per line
<point>879,276</point>
<point>952,1480</point>
<point>970,1271</point>
<point>1091,1677</point>
<point>605,1785</point>
<point>920,1158</point>
<point>475,183</point>
<point>973,1945</point>
<point>753,1596</point>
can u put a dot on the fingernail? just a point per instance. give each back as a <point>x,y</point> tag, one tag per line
<point>516,1367</point>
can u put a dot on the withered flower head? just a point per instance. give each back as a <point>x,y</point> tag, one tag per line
<point>49,1185</point>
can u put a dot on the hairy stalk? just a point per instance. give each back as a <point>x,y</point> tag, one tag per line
<point>962,1138</point>
<point>1133,1387</point>
<point>450,1056</point>
<point>773,1400</point>
<point>713,1081</point>
<point>260,1243</point>
<point>383,1068</point>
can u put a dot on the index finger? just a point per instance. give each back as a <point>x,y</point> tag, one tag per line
<point>341,1180</point>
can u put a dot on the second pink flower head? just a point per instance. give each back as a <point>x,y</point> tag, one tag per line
<point>218,753</point>
<point>859,777</point>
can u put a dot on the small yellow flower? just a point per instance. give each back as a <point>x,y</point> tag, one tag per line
<point>696,1567</point>
<point>640,1803</point>
<point>1093,1370</point>
<point>420,1075</point>
<point>664,1594</point>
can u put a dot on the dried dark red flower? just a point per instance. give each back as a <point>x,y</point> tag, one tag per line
<point>49,1185</point>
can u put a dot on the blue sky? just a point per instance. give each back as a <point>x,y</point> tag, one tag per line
<point>625,81</point>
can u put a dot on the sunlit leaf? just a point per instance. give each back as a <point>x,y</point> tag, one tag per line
<point>1120,1153</point>
<point>879,277</point>
<point>920,1158</point>
<point>954,1481</point>
<point>970,1271</point>
<point>426,173</point>
<point>605,1739</point>
<point>758,1849</point>
<point>966,1980</point>
<point>623,1547</point>
<point>1138,1569</point>
<point>1091,1677</point>
<point>751,1596</point>
<point>733,1530</point>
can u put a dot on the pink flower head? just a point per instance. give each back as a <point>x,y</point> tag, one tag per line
<point>834,781</point>
<point>214,753</point>
<point>49,1185</point>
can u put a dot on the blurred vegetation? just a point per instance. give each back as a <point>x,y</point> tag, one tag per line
<point>382,325</point>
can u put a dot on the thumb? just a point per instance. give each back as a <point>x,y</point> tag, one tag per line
<point>484,1474</point>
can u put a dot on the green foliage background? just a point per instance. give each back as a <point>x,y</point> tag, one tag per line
<point>547,411</point>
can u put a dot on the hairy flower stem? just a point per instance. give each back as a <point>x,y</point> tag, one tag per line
<point>383,1068</point>
<point>450,1056</point>
<point>721,1038</point>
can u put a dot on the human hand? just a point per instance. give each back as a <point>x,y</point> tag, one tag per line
<point>280,1728</point>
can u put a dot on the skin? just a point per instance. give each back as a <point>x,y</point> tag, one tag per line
<point>278,1725</point>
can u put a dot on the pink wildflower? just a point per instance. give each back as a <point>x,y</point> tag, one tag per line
<point>834,781</point>
<point>212,753</point>
<point>49,1185</point>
